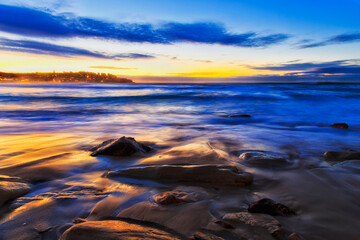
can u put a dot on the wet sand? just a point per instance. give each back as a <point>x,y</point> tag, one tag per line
<point>68,184</point>
<point>227,162</point>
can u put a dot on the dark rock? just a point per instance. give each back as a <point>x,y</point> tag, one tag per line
<point>263,159</point>
<point>340,125</point>
<point>211,174</point>
<point>267,222</point>
<point>224,224</point>
<point>205,236</point>
<point>268,206</point>
<point>239,115</point>
<point>295,236</point>
<point>181,195</point>
<point>341,156</point>
<point>124,146</point>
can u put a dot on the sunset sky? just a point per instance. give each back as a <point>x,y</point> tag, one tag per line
<point>168,40</point>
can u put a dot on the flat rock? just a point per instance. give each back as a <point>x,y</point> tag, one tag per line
<point>341,156</point>
<point>74,192</point>
<point>184,218</point>
<point>263,159</point>
<point>12,190</point>
<point>205,236</point>
<point>268,206</point>
<point>340,125</point>
<point>114,229</point>
<point>124,146</point>
<point>239,115</point>
<point>190,154</point>
<point>181,195</point>
<point>194,174</point>
<point>256,220</point>
<point>10,179</point>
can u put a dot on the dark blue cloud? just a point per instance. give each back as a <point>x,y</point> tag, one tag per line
<point>349,68</point>
<point>338,39</point>
<point>36,23</point>
<point>300,66</point>
<point>58,50</point>
<point>336,70</point>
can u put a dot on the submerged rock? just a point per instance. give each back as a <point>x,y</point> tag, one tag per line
<point>264,159</point>
<point>181,195</point>
<point>190,154</point>
<point>10,190</point>
<point>341,156</point>
<point>124,146</point>
<point>194,174</point>
<point>340,125</point>
<point>256,220</point>
<point>114,229</point>
<point>268,206</point>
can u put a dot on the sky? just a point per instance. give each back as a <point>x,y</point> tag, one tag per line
<point>184,41</point>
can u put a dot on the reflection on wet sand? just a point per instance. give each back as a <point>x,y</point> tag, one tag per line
<point>183,172</point>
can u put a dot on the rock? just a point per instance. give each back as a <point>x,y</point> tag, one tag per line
<point>256,220</point>
<point>205,236</point>
<point>224,224</point>
<point>124,146</point>
<point>181,195</point>
<point>211,174</point>
<point>183,218</point>
<point>12,190</point>
<point>190,154</point>
<point>10,179</point>
<point>268,206</point>
<point>295,236</point>
<point>73,192</point>
<point>341,156</point>
<point>340,125</point>
<point>240,115</point>
<point>114,229</point>
<point>263,159</point>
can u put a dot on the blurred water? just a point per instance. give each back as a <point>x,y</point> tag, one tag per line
<point>299,114</point>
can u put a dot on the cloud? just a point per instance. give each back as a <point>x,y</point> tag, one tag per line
<point>42,48</point>
<point>37,23</point>
<point>111,67</point>
<point>349,68</point>
<point>300,66</point>
<point>336,70</point>
<point>134,56</point>
<point>338,39</point>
